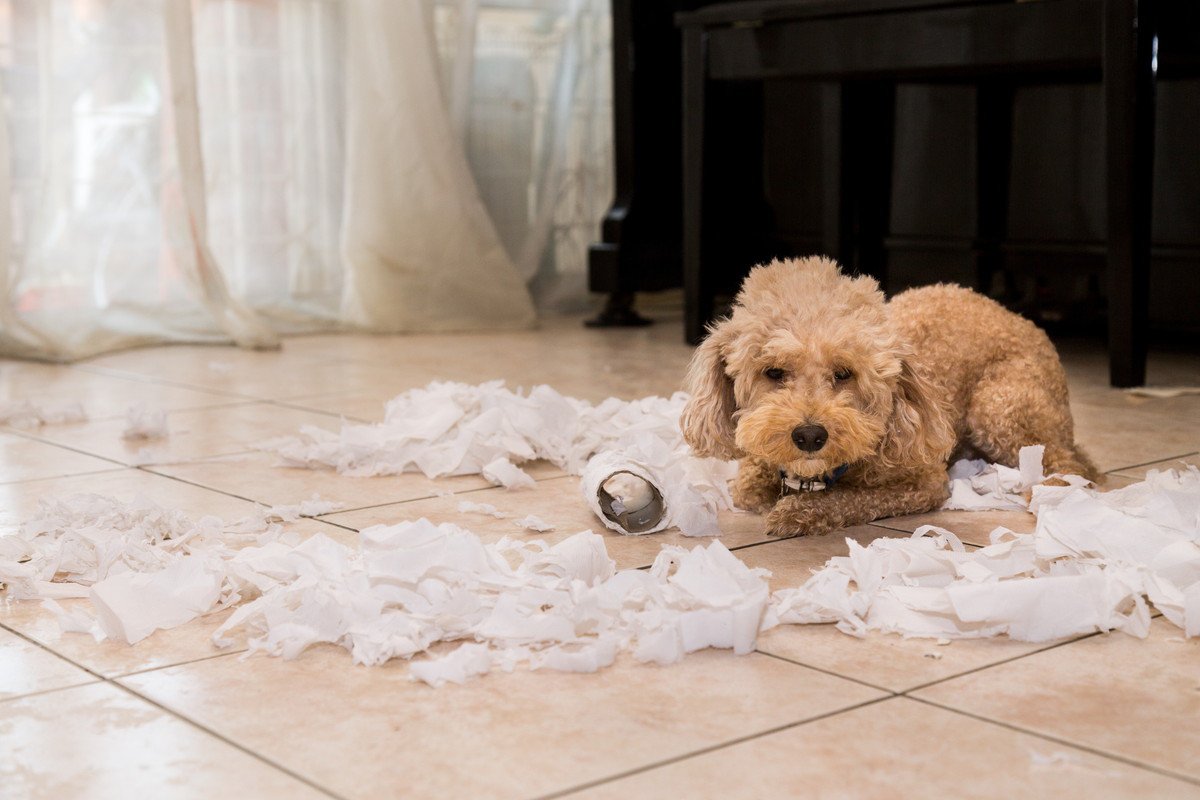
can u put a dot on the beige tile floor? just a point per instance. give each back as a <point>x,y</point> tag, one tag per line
<point>813,713</point>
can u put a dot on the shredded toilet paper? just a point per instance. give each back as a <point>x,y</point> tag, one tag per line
<point>461,607</point>
<point>145,423</point>
<point>457,429</point>
<point>976,485</point>
<point>25,415</point>
<point>1091,564</point>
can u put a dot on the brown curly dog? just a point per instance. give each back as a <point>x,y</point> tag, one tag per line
<point>844,408</point>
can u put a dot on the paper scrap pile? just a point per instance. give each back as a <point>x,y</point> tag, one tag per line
<point>1095,562</point>
<point>414,585</point>
<point>1090,565</point>
<point>976,485</point>
<point>457,429</point>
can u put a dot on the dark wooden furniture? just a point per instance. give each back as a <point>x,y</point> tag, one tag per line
<point>641,240</point>
<point>868,46</point>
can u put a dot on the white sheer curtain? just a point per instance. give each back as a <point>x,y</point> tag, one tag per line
<point>207,170</point>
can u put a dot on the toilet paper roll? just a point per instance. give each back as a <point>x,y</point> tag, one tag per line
<point>626,495</point>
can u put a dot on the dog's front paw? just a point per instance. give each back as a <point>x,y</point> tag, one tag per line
<point>756,487</point>
<point>798,515</point>
<point>754,497</point>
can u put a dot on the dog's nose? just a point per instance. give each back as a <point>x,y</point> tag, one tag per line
<point>810,438</point>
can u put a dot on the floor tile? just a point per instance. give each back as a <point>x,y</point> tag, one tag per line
<point>27,668</point>
<point>23,459</point>
<point>887,661</point>
<point>99,742</point>
<point>99,394</point>
<point>353,406</point>
<point>363,732</point>
<point>1121,438</point>
<point>558,502</point>
<point>624,363</point>
<point>1135,698</point>
<point>895,748</point>
<point>1086,363</point>
<point>193,434</point>
<point>257,477</point>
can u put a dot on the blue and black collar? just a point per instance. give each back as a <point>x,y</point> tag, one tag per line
<point>789,485</point>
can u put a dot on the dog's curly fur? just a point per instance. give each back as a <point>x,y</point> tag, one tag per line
<point>900,386</point>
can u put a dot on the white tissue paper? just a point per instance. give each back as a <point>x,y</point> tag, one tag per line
<point>534,523</point>
<point>976,485</point>
<point>503,472</point>
<point>24,414</point>
<point>1091,565</point>
<point>456,429</point>
<point>1096,562</point>
<point>415,585</point>
<point>145,423</point>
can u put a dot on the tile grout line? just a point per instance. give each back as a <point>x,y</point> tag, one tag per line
<point>1118,470</point>
<point>32,438</point>
<point>237,652</point>
<point>1065,742</point>
<point>1009,660</point>
<point>705,750</point>
<point>63,477</point>
<point>891,692</point>
<point>51,651</point>
<point>41,692</point>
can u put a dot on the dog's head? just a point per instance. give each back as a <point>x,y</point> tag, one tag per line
<point>806,374</point>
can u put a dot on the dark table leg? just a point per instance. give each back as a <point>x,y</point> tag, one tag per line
<point>1129,112</point>
<point>993,162</point>
<point>867,139</point>
<point>697,293</point>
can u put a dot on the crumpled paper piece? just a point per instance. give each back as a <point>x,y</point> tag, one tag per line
<point>142,422</point>
<point>25,415</point>
<point>534,523</point>
<point>457,429</point>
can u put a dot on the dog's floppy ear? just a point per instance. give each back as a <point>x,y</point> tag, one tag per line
<point>707,420</point>
<point>919,431</point>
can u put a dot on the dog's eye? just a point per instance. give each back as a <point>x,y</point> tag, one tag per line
<point>774,373</point>
<point>842,374</point>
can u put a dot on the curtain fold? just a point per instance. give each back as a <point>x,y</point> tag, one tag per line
<point>233,170</point>
<point>419,249</point>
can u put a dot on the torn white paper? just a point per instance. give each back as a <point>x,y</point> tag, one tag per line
<point>414,585</point>
<point>977,485</point>
<point>145,423</point>
<point>1092,563</point>
<point>26,415</point>
<point>1096,562</point>
<point>503,472</point>
<point>1163,392</point>
<point>534,523</point>
<point>487,509</point>
<point>456,429</point>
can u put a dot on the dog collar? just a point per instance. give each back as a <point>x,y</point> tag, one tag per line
<point>789,485</point>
